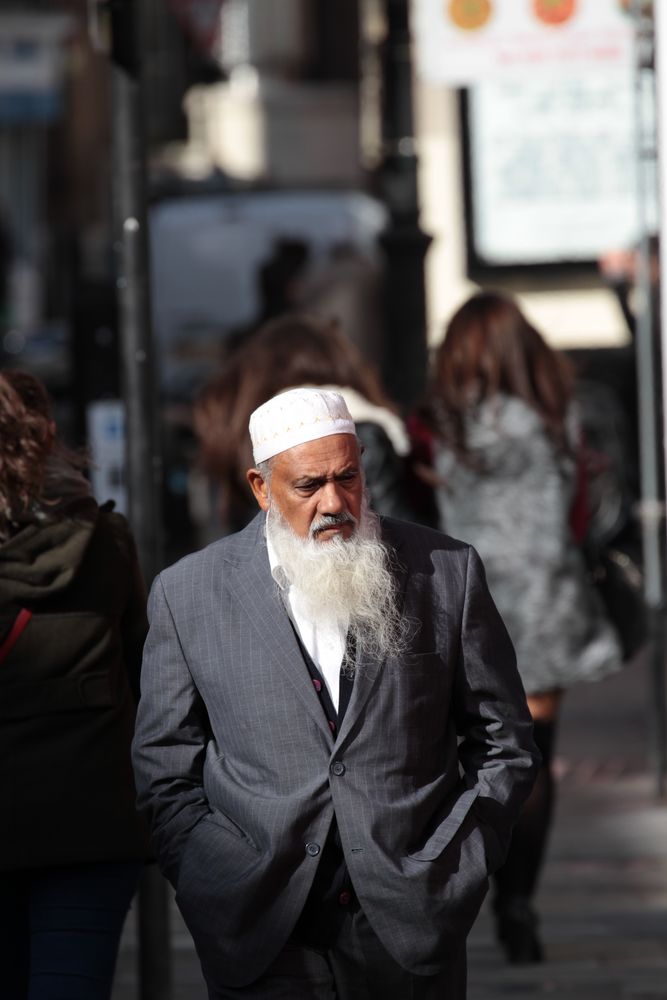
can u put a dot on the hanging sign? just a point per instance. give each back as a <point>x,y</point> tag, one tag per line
<point>462,42</point>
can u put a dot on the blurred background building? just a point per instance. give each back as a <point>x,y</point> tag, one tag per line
<point>274,113</point>
<point>370,159</point>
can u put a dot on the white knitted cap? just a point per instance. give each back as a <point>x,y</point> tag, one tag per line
<point>297,416</point>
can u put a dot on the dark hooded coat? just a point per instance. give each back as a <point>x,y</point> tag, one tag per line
<point>68,690</point>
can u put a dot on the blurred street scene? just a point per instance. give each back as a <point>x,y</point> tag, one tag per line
<point>175,174</point>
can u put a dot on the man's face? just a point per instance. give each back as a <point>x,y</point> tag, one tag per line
<point>312,480</point>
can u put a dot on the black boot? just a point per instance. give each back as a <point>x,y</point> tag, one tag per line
<point>516,929</point>
<point>515,882</point>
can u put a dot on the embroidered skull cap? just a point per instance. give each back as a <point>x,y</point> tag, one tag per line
<point>296,416</point>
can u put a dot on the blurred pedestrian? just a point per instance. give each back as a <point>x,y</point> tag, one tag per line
<point>346,288</point>
<point>72,626</point>
<point>621,270</point>
<point>281,278</point>
<point>506,460</point>
<point>290,351</point>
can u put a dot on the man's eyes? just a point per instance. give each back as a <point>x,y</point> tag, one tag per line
<point>311,485</point>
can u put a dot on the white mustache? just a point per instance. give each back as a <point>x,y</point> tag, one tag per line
<point>331,521</point>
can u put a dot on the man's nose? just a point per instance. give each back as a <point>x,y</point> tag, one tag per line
<point>332,499</point>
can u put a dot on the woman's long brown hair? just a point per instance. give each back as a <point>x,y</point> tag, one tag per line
<point>26,440</point>
<point>295,349</point>
<point>491,348</point>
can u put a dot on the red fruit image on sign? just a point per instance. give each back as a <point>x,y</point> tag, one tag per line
<point>554,11</point>
<point>470,14</point>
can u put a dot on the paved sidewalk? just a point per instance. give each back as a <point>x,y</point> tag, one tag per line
<point>603,896</point>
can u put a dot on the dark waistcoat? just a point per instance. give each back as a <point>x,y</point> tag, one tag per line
<point>331,894</point>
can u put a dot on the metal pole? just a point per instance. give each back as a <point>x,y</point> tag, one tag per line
<point>652,343</point>
<point>143,456</point>
<point>403,242</point>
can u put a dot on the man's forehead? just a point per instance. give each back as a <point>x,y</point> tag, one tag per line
<point>321,457</point>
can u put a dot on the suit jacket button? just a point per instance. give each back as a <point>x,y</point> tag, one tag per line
<point>313,849</point>
<point>338,767</point>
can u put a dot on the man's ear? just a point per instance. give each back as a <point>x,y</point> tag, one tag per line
<point>259,487</point>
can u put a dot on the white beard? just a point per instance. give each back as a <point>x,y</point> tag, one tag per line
<point>348,580</point>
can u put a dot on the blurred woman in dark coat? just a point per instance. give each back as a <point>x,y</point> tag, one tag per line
<point>72,626</point>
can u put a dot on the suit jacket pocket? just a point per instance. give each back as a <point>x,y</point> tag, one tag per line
<point>447,824</point>
<point>216,853</point>
<point>455,881</point>
<point>223,821</point>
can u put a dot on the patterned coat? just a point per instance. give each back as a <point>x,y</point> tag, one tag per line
<point>514,505</point>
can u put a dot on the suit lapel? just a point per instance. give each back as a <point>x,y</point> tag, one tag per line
<point>368,668</point>
<point>257,595</point>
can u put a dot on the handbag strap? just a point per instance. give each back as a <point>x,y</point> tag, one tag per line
<point>18,625</point>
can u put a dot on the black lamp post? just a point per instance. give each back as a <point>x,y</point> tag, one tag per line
<point>143,466</point>
<point>403,242</point>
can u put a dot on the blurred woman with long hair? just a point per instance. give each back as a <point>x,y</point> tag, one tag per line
<point>72,626</point>
<point>506,458</point>
<point>294,350</point>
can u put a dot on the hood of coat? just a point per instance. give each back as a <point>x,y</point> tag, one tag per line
<point>362,410</point>
<point>43,557</point>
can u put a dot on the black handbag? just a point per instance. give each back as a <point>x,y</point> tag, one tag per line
<point>619,581</point>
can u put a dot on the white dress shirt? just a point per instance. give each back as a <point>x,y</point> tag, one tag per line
<point>324,639</point>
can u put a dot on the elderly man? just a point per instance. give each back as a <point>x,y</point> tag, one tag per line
<point>332,742</point>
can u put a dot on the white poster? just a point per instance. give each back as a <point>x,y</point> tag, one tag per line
<point>461,42</point>
<point>553,168</point>
<point>106,441</point>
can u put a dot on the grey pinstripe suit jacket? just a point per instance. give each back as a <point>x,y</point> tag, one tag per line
<point>233,755</point>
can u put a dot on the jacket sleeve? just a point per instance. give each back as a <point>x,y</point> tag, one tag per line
<point>496,749</point>
<point>170,738</point>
